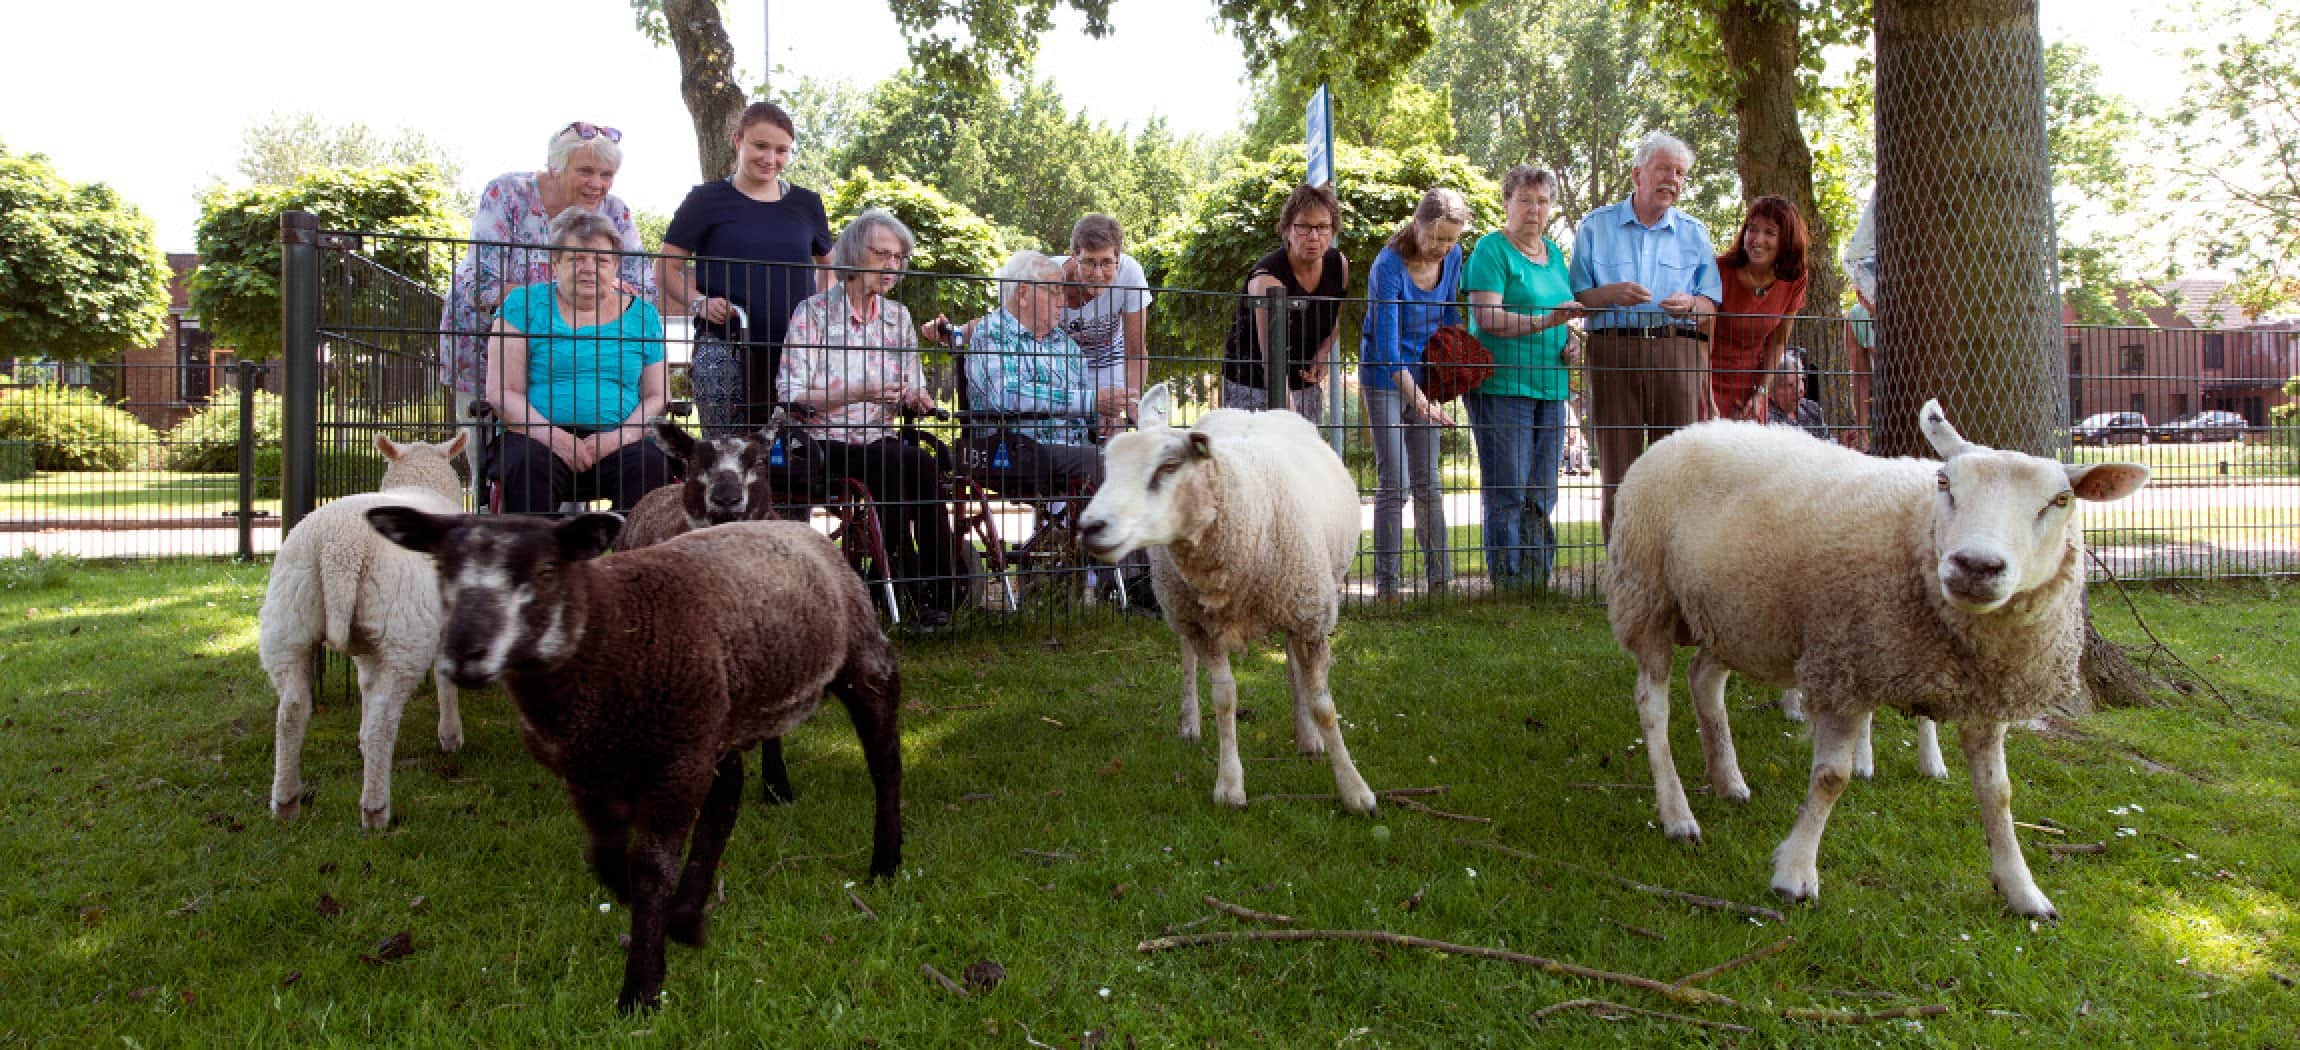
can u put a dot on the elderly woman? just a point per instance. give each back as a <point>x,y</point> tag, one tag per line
<point>516,209</point>
<point>1021,362</point>
<point>576,370</point>
<point>849,358</point>
<point>760,242</point>
<point>1309,267</point>
<point>1520,300</point>
<point>1410,294</point>
<point>1106,308</point>
<point>1765,279</point>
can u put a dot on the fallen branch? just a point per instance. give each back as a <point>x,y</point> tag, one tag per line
<point>2155,644</point>
<point>856,899</point>
<point>2058,849</point>
<point>1800,1013</point>
<point>1417,807</point>
<point>1600,1007</point>
<point>2038,827</point>
<point>1775,948</point>
<point>1173,928</point>
<point>1717,903</point>
<point>943,979</point>
<point>1639,930</point>
<point>1247,914</point>
<point>1392,793</point>
<point>1691,996</point>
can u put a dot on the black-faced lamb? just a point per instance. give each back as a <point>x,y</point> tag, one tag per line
<point>640,679</point>
<point>1251,521</point>
<point>1951,590</point>
<point>723,479</point>
<point>335,582</point>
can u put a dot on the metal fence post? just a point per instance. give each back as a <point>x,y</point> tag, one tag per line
<point>1274,364</point>
<point>299,348</point>
<point>247,512</point>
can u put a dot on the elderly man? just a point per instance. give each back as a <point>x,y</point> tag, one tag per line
<point>1649,274</point>
<point>1020,363</point>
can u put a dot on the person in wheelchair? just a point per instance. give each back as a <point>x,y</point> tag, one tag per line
<point>851,359</point>
<point>575,371</point>
<point>1027,380</point>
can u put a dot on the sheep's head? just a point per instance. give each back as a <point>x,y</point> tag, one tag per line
<point>2001,520</point>
<point>1141,501</point>
<point>726,477</point>
<point>501,583</point>
<point>421,464</point>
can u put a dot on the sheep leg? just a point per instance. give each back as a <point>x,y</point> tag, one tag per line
<point>871,689</point>
<point>1230,774</point>
<point>1188,729</point>
<point>721,807</point>
<point>291,678</point>
<point>1864,747</point>
<point>1796,862</point>
<point>450,713</point>
<point>607,826</point>
<point>774,777</point>
<point>1984,747</point>
<point>1311,658</point>
<point>657,841</point>
<point>1309,684</point>
<point>1793,704</point>
<point>383,693</point>
<point>1653,666</point>
<point>1929,762</point>
<point>1708,686</point>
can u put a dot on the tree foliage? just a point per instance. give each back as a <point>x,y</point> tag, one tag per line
<point>2236,149</point>
<point>283,147</point>
<point>236,290</point>
<point>952,241</point>
<point>1367,43</point>
<point>81,271</point>
<point>963,42</point>
<point>2090,131</point>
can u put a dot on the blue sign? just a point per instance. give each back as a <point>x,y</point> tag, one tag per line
<point>1321,138</point>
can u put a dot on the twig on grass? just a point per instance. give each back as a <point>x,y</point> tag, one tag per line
<point>2039,827</point>
<point>1392,793</point>
<point>2156,645</point>
<point>1248,914</point>
<point>1174,928</point>
<point>1775,948</point>
<point>856,899</point>
<point>1585,785</point>
<point>1050,856</point>
<point>1601,1008</point>
<point>1407,803</point>
<point>1639,930</point>
<point>2059,849</point>
<point>948,985</point>
<point>1717,903</point>
<point>1803,1013</point>
<point>1671,992</point>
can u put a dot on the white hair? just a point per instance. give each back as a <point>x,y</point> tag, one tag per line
<point>1022,270</point>
<point>567,141</point>
<point>1661,142</point>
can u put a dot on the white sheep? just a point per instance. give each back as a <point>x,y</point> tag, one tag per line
<point>335,582</point>
<point>1251,522</point>
<point>1949,590</point>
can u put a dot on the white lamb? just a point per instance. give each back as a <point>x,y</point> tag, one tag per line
<point>1251,522</point>
<point>1949,590</point>
<point>336,582</point>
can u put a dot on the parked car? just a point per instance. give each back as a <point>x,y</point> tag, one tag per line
<point>2111,428</point>
<point>2216,425</point>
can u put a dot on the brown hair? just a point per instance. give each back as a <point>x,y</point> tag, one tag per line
<point>764,113</point>
<point>1789,260</point>
<point>1437,204</point>
<point>1306,197</point>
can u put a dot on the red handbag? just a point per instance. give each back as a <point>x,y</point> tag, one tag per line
<point>1453,364</point>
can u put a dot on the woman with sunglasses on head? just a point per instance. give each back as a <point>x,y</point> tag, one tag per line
<point>517,209</point>
<point>754,242</point>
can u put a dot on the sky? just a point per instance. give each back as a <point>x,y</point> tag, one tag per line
<point>158,109</point>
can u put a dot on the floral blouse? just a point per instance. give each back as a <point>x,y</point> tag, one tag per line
<point>511,211</point>
<point>829,348</point>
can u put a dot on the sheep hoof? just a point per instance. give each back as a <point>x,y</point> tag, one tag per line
<point>631,1002</point>
<point>690,929</point>
<point>1189,732</point>
<point>1932,772</point>
<point>2029,903</point>
<point>1797,894</point>
<point>1310,748</point>
<point>1797,883</point>
<point>1732,793</point>
<point>1361,801</point>
<point>288,809</point>
<point>450,743</point>
<point>1865,770</point>
<point>1231,795</point>
<point>375,819</point>
<point>1687,830</point>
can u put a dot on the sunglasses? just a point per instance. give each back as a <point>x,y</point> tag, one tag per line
<point>587,130</point>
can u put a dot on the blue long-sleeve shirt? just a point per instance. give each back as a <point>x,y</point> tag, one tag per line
<point>1401,316</point>
<point>1670,256</point>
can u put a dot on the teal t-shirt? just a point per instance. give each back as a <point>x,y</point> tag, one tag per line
<point>588,376</point>
<point>1523,365</point>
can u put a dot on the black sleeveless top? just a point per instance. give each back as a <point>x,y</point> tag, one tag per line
<point>1306,329</point>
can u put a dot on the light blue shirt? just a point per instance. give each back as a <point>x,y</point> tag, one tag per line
<point>1670,256</point>
<point>1010,370</point>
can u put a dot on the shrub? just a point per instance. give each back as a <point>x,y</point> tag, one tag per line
<point>15,460</point>
<point>33,571</point>
<point>209,440</point>
<point>72,428</point>
<point>342,472</point>
<point>952,241</point>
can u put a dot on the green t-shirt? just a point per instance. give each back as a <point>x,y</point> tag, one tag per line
<point>1523,365</point>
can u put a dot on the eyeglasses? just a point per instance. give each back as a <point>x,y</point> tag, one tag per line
<point>1320,229</point>
<point>586,130</point>
<point>897,257</point>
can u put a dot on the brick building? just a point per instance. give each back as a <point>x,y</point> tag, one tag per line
<point>2202,353</point>
<point>173,378</point>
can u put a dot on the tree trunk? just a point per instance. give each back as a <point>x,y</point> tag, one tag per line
<point>1968,308</point>
<point>1761,43</point>
<point>706,80</point>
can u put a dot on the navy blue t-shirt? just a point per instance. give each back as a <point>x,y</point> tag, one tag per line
<point>768,248</point>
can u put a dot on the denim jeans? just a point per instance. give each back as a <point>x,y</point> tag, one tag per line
<point>1518,443</point>
<point>1404,448</point>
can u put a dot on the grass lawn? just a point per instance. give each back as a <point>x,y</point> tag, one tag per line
<point>1054,821</point>
<point>124,494</point>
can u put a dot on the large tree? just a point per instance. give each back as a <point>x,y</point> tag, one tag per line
<point>81,271</point>
<point>2236,155</point>
<point>283,147</point>
<point>2089,131</point>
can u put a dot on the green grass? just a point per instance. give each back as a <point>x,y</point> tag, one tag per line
<point>73,494</point>
<point>151,900</point>
<point>2211,462</point>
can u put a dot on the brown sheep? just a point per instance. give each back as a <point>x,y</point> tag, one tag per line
<point>725,480</point>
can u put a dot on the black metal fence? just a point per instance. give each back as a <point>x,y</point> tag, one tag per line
<point>963,504</point>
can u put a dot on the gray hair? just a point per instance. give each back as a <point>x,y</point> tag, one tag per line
<point>1096,232</point>
<point>578,227</point>
<point>852,249</point>
<point>566,142</point>
<point>1023,269</point>
<point>1660,142</point>
<point>1525,175</point>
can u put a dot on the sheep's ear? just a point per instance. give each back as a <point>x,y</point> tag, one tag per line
<point>1157,408</point>
<point>1201,446</point>
<point>455,445</point>
<point>1943,437</point>
<point>674,440</point>
<point>2102,482</point>
<point>409,527</point>
<point>390,450</point>
<point>587,536</point>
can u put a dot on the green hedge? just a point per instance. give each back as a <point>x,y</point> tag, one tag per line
<point>15,460</point>
<point>73,428</point>
<point>342,472</point>
<point>209,439</point>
